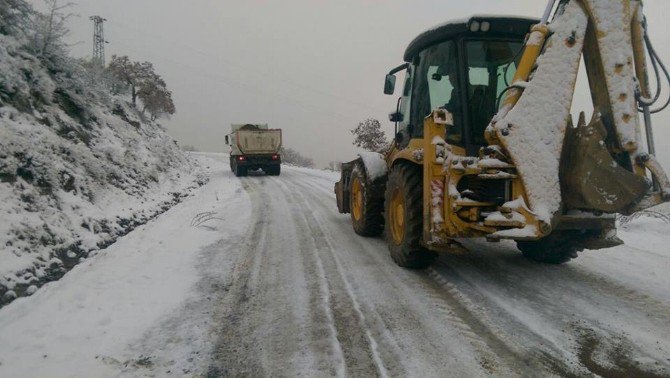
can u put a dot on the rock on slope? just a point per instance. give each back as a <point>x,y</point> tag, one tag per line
<point>79,167</point>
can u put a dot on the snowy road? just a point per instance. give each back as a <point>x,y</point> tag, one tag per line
<point>280,285</point>
<point>310,296</point>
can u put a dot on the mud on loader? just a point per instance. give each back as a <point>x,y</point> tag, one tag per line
<point>485,144</point>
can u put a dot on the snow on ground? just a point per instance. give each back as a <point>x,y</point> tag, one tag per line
<point>643,262</point>
<point>325,174</point>
<point>83,324</point>
<point>261,276</point>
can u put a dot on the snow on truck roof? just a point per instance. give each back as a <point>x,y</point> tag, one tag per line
<point>500,26</point>
<point>249,126</point>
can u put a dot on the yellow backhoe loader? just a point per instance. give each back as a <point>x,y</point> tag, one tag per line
<point>485,144</point>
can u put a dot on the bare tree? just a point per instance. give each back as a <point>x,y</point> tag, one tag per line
<point>51,29</point>
<point>370,136</point>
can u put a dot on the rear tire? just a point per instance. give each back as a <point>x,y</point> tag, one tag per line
<point>240,171</point>
<point>366,203</point>
<point>404,217</point>
<point>557,248</point>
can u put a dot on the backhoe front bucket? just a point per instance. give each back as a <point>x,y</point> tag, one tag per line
<point>591,179</point>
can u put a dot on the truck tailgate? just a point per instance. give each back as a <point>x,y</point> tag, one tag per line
<point>259,141</point>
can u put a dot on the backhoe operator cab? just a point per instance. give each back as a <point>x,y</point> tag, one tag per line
<point>485,145</point>
<point>462,67</point>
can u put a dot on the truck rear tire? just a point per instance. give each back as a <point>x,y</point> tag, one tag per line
<point>404,217</point>
<point>366,202</point>
<point>240,171</point>
<point>557,248</point>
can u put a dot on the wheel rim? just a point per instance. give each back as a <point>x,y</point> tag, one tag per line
<point>397,216</point>
<point>357,199</point>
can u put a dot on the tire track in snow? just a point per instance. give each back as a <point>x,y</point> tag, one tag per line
<point>481,344</point>
<point>473,324</point>
<point>344,305</point>
<point>492,281</point>
<point>569,280</point>
<point>320,309</point>
<point>551,306</point>
<point>439,303</point>
<point>287,318</point>
<point>233,351</point>
<point>389,329</point>
<point>486,336</point>
<point>646,251</point>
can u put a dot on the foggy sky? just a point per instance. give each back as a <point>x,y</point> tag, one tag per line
<point>313,68</point>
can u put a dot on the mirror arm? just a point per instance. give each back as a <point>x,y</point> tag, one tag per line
<point>401,67</point>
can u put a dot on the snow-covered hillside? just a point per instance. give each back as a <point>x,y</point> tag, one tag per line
<point>78,167</point>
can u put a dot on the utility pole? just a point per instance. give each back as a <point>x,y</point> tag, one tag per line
<point>98,41</point>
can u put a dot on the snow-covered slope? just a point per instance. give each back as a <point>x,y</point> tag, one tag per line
<point>129,288</point>
<point>78,168</point>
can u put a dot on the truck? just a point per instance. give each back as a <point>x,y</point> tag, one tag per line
<point>254,147</point>
<point>486,145</point>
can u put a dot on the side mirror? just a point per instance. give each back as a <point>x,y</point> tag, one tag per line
<point>389,84</point>
<point>396,117</point>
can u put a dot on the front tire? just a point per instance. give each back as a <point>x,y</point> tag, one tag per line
<point>404,217</point>
<point>366,202</point>
<point>557,248</point>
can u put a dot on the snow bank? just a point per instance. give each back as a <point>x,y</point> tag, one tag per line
<point>100,319</point>
<point>78,168</point>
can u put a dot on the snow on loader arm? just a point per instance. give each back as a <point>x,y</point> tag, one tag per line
<point>602,164</point>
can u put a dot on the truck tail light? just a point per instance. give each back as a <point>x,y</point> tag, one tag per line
<point>241,158</point>
<point>275,157</point>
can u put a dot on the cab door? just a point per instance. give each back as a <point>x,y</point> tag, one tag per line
<point>490,65</point>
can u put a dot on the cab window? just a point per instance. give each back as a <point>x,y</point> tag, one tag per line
<point>491,66</point>
<point>436,86</point>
